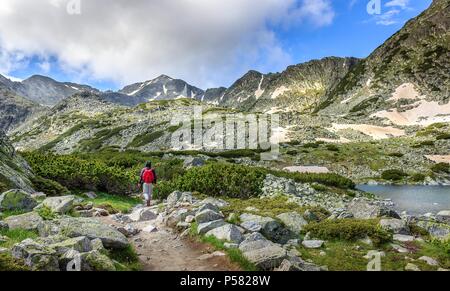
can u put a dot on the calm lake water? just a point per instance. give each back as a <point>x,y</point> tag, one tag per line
<point>413,199</point>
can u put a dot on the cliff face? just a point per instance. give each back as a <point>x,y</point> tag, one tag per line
<point>14,170</point>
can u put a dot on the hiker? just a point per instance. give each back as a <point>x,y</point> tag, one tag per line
<point>147,179</point>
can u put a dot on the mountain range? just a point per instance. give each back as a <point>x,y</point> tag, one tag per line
<point>404,82</point>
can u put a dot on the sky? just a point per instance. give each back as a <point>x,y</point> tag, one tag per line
<point>208,43</point>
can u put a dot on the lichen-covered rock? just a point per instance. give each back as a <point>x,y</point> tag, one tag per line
<point>17,200</point>
<point>96,261</point>
<point>143,214</point>
<point>81,244</point>
<point>294,221</point>
<point>396,226</point>
<point>207,215</point>
<point>266,258</point>
<point>89,227</point>
<point>38,257</point>
<point>366,209</point>
<point>297,264</point>
<point>191,162</point>
<point>443,216</point>
<point>270,228</point>
<point>27,221</point>
<point>3,226</point>
<point>173,198</point>
<point>203,228</point>
<point>436,230</point>
<point>214,201</point>
<point>254,241</point>
<point>61,205</point>
<point>227,232</point>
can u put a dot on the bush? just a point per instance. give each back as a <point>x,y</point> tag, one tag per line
<point>78,174</point>
<point>393,175</point>
<point>396,155</point>
<point>332,148</point>
<point>418,177</point>
<point>441,168</point>
<point>49,187</point>
<point>46,213</point>
<point>444,136</point>
<point>328,179</point>
<point>234,181</point>
<point>348,230</point>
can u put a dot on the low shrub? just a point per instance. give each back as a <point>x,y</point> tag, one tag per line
<point>332,147</point>
<point>441,168</point>
<point>443,136</point>
<point>418,177</point>
<point>328,179</point>
<point>393,175</point>
<point>349,230</point>
<point>396,155</point>
<point>49,187</point>
<point>46,213</point>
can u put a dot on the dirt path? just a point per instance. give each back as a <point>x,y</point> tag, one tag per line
<point>164,250</point>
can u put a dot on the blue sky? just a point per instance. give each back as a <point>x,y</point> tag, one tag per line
<point>204,51</point>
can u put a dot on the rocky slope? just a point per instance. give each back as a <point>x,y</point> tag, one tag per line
<point>14,171</point>
<point>407,76</point>
<point>46,91</point>
<point>298,88</point>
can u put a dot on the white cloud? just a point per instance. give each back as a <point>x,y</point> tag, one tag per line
<point>206,42</point>
<point>392,15</point>
<point>398,3</point>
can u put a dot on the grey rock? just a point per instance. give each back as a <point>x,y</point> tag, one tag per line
<point>411,267</point>
<point>90,195</point>
<point>429,261</point>
<point>366,209</point>
<point>89,227</point>
<point>3,226</point>
<point>266,258</point>
<point>215,201</point>
<point>298,265</point>
<point>191,162</point>
<point>128,230</point>
<point>27,221</point>
<point>17,200</point>
<point>143,214</point>
<point>270,228</point>
<point>209,206</point>
<point>81,244</point>
<point>251,226</point>
<point>443,216</point>
<point>59,205</point>
<point>294,221</point>
<point>228,245</point>
<point>96,261</point>
<point>203,228</point>
<point>254,241</point>
<point>396,226</point>
<point>38,196</point>
<point>173,198</point>
<point>97,245</point>
<point>310,216</point>
<point>403,238</point>
<point>37,257</point>
<point>313,244</point>
<point>227,232</point>
<point>436,230</point>
<point>207,215</point>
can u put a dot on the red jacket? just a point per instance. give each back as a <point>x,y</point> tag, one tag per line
<point>148,176</point>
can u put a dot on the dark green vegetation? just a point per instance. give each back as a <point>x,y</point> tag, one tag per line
<point>127,259</point>
<point>349,230</point>
<point>393,175</point>
<point>49,187</point>
<point>441,168</point>
<point>95,143</point>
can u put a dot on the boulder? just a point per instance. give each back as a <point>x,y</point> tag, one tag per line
<point>294,221</point>
<point>297,264</point>
<point>251,226</point>
<point>191,162</point>
<point>270,228</point>
<point>366,209</point>
<point>207,215</point>
<point>173,198</point>
<point>266,258</point>
<point>36,256</point>
<point>443,216</point>
<point>178,216</point>
<point>209,206</point>
<point>227,232</point>
<point>429,261</point>
<point>27,221</point>
<point>254,241</point>
<point>143,214</point>
<point>397,226</point>
<point>97,245</point>
<point>59,205</point>
<point>89,227</point>
<point>38,196</point>
<point>17,200</point>
<point>310,216</point>
<point>203,228</point>
<point>313,244</point>
<point>128,230</point>
<point>189,219</point>
<point>215,201</point>
<point>96,261</point>
<point>403,238</point>
<point>81,244</point>
<point>182,225</point>
<point>228,245</point>
<point>436,230</point>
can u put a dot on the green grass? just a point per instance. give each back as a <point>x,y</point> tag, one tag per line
<point>16,236</point>
<point>122,204</point>
<point>8,213</point>
<point>127,258</point>
<point>235,255</point>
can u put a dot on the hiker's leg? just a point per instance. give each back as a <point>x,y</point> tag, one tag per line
<point>150,195</point>
<point>146,192</point>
